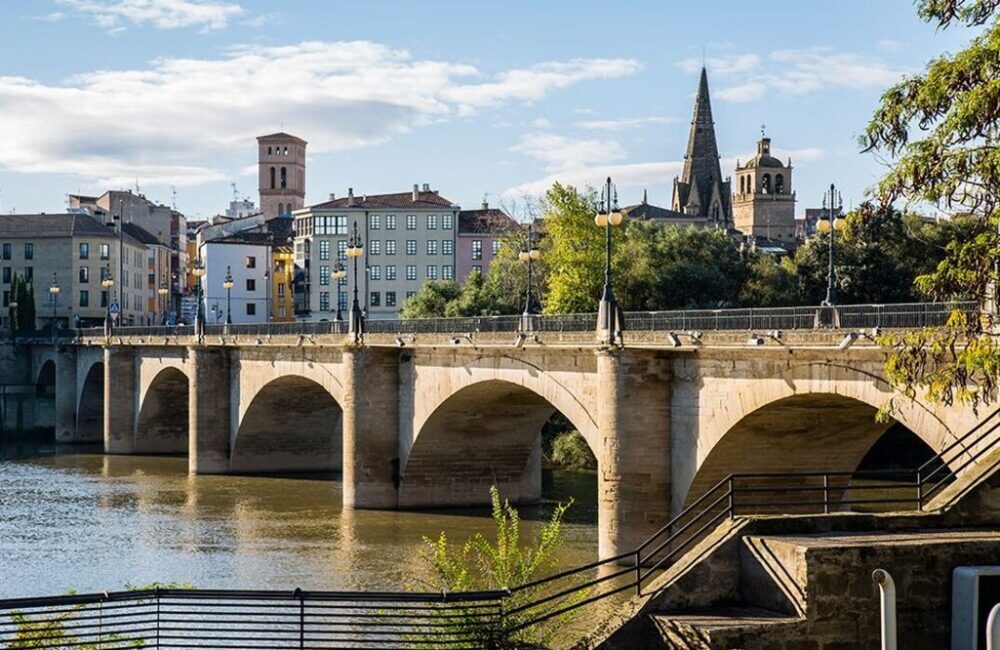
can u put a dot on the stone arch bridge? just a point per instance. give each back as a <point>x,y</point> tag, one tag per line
<point>433,420</point>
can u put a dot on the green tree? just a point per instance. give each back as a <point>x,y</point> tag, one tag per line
<point>22,317</point>
<point>573,250</point>
<point>770,282</point>
<point>432,300</point>
<point>940,128</point>
<point>507,277</point>
<point>474,299</point>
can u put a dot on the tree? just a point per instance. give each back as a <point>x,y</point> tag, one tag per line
<point>432,300</point>
<point>771,282</point>
<point>474,299</point>
<point>573,250</point>
<point>22,317</point>
<point>941,128</point>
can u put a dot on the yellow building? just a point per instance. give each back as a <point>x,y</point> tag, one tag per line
<point>282,278</point>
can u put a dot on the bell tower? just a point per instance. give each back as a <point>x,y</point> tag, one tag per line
<point>763,200</point>
<point>281,165</point>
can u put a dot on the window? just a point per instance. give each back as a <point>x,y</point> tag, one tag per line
<point>6,298</point>
<point>251,309</point>
<point>390,247</point>
<point>105,272</point>
<point>84,274</point>
<point>105,252</point>
<point>497,244</point>
<point>342,300</point>
<point>327,225</point>
<point>281,289</point>
<point>104,298</point>
<point>84,251</point>
<point>447,247</point>
<point>7,251</point>
<point>251,284</point>
<point>284,178</point>
<point>478,268</point>
<point>272,178</point>
<point>410,294</point>
<point>390,298</point>
<point>324,250</point>
<point>432,272</point>
<point>411,222</point>
<point>84,298</point>
<point>374,247</point>
<point>251,262</point>
<point>324,275</point>
<point>477,249</point>
<point>375,299</point>
<point>375,272</point>
<point>779,183</point>
<point>447,221</point>
<point>411,271</point>
<point>342,250</point>
<point>6,275</point>
<point>432,222</point>
<point>390,222</point>
<point>765,184</point>
<point>411,246</point>
<point>447,272</point>
<point>29,251</point>
<point>29,273</point>
<point>374,221</point>
<point>390,271</point>
<point>432,247</point>
<point>342,281</point>
<point>324,301</point>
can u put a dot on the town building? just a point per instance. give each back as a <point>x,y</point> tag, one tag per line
<point>76,252</point>
<point>281,169</point>
<point>158,274</point>
<point>408,239</point>
<point>646,211</point>
<point>244,257</point>
<point>480,237</point>
<point>764,202</point>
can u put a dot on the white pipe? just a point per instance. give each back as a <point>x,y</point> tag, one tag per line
<point>887,593</point>
<point>993,629</point>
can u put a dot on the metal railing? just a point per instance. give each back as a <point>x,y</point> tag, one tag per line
<point>857,317</point>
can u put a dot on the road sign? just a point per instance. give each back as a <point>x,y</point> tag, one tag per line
<point>114,310</point>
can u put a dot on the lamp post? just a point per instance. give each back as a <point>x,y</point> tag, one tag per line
<point>227,284</point>
<point>107,283</point>
<point>529,253</point>
<point>54,297</point>
<point>355,249</point>
<point>198,271</point>
<point>831,221</point>
<point>339,273</point>
<point>610,323</point>
<point>162,292</point>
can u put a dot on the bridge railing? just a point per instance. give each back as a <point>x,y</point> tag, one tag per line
<point>900,315</point>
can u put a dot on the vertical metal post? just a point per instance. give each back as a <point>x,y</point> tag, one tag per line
<point>732,504</point>
<point>302,618</point>
<point>826,494</point>
<point>638,574</point>
<point>920,491</point>
<point>157,596</point>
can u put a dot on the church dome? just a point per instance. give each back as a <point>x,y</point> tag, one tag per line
<point>763,157</point>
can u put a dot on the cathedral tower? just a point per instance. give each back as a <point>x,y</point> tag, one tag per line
<point>281,164</point>
<point>764,203</point>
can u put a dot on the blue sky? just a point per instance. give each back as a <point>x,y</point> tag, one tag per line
<point>474,98</point>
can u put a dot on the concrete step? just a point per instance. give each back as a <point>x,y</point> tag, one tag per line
<point>748,628</point>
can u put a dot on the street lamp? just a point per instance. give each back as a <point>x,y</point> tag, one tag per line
<point>163,291</point>
<point>339,273</point>
<point>227,284</point>
<point>198,271</point>
<point>529,253</point>
<point>54,297</point>
<point>355,249</point>
<point>106,283</point>
<point>831,221</point>
<point>610,323</point>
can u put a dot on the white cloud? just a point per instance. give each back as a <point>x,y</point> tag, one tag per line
<point>807,154</point>
<point>750,77</point>
<point>625,175</point>
<point>163,14</point>
<point>190,121</point>
<point>52,17</point>
<point>624,123</point>
<point>557,152</point>
<point>890,45</point>
<point>540,123</point>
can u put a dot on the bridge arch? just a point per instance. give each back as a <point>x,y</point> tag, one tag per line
<point>292,424</point>
<point>90,405</point>
<point>162,424</point>
<point>45,383</point>
<point>485,432</point>
<point>802,432</point>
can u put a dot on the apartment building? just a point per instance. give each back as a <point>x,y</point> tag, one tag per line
<point>76,252</point>
<point>408,239</point>
<point>480,237</point>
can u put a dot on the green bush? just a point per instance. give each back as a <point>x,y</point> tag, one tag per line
<point>571,451</point>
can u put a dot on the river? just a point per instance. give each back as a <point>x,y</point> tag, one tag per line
<point>88,522</point>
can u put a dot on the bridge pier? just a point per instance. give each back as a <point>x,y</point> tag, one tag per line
<point>120,389</point>
<point>209,402</point>
<point>633,421</point>
<point>371,423</point>
<point>66,430</point>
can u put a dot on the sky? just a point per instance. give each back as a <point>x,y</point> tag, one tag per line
<point>480,100</point>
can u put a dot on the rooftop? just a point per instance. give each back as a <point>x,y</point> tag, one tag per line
<point>45,226</point>
<point>486,220</point>
<point>424,199</point>
<point>281,135</point>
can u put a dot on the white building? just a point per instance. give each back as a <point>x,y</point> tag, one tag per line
<point>246,258</point>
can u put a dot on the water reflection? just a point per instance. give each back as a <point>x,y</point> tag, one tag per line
<point>91,522</point>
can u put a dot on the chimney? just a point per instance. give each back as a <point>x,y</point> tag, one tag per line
<point>427,187</point>
<point>486,205</point>
<point>350,197</point>
<point>332,196</point>
<point>416,192</point>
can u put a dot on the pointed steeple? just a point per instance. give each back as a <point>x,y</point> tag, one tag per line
<point>645,199</point>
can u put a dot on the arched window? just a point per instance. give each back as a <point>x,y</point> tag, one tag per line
<point>743,184</point>
<point>272,178</point>
<point>779,184</point>
<point>286,151</point>
<point>765,184</point>
<point>269,151</point>
<point>284,178</point>
<point>281,208</point>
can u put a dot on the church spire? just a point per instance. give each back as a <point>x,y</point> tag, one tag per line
<point>702,158</point>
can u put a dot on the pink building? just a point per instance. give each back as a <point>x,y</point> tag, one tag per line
<point>479,238</point>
